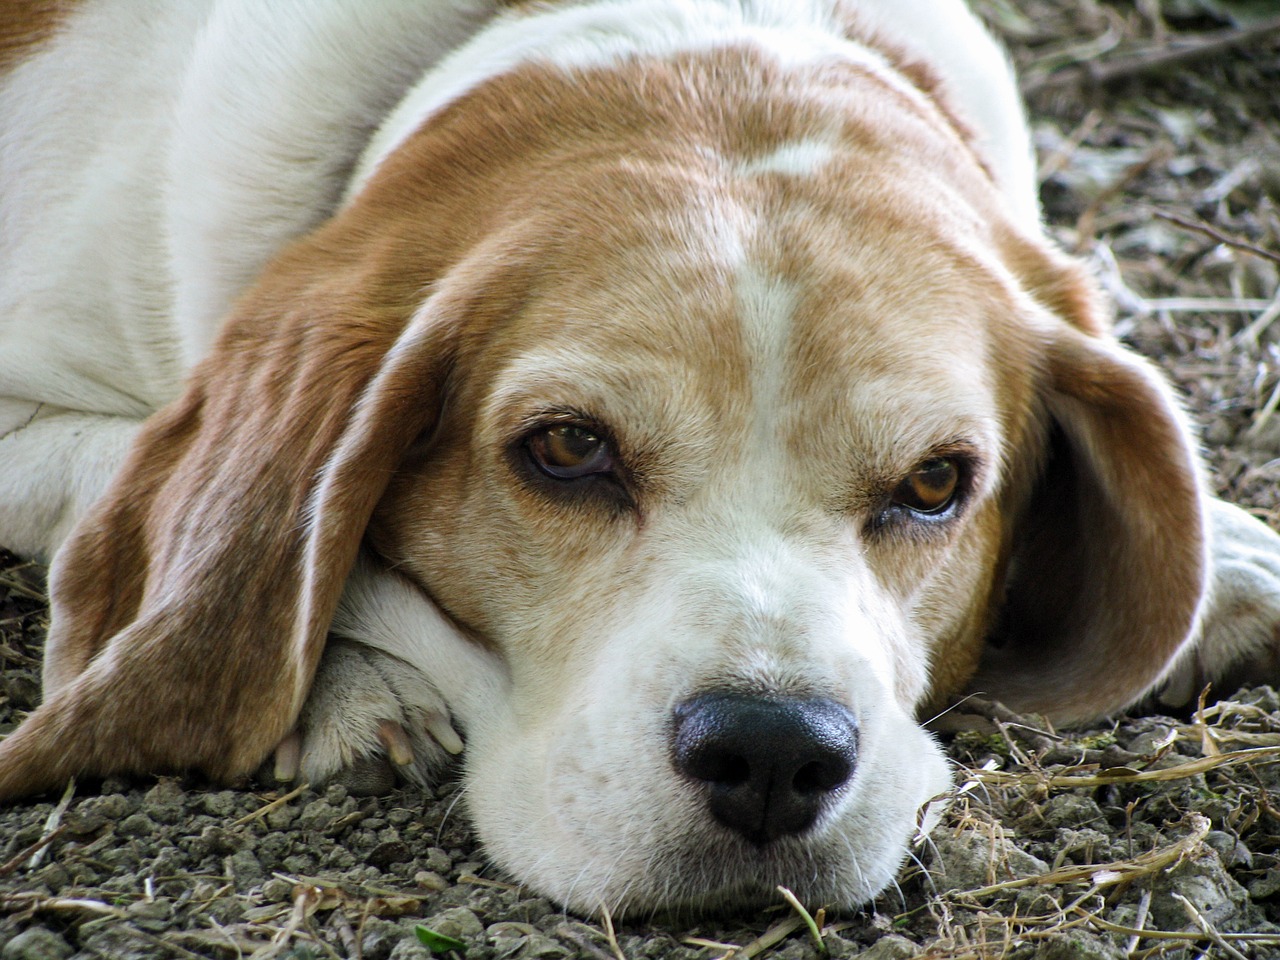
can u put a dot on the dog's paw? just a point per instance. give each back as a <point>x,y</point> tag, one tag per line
<point>1239,637</point>
<point>370,721</point>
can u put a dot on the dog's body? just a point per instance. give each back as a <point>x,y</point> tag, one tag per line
<point>699,367</point>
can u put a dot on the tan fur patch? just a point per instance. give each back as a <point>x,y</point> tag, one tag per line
<point>25,24</point>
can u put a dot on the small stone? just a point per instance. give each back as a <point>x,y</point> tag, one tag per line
<point>437,861</point>
<point>1078,945</point>
<point>152,915</point>
<point>385,854</point>
<point>37,943</point>
<point>970,860</point>
<point>890,947</point>
<point>281,818</point>
<point>317,815</point>
<point>429,880</point>
<point>1268,885</point>
<point>277,890</point>
<point>457,922</point>
<point>94,813</point>
<point>378,938</point>
<point>219,841</point>
<point>222,803</point>
<point>136,825</point>
<point>1072,810</point>
<point>1206,884</point>
<point>245,868</point>
<point>537,946</point>
<point>409,948</point>
<point>166,792</point>
<point>1232,851</point>
<point>335,794</point>
<point>1150,741</point>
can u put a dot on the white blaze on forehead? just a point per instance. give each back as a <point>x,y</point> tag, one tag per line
<point>797,159</point>
<point>766,308</point>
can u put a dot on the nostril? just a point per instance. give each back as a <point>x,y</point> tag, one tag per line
<point>821,776</point>
<point>718,766</point>
<point>769,765</point>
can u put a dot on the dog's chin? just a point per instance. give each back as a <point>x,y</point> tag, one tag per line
<point>719,873</point>
<point>665,854</point>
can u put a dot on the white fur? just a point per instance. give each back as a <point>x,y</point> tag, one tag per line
<point>797,159</point>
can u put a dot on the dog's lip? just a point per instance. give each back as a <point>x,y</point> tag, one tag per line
<point>733,873</point>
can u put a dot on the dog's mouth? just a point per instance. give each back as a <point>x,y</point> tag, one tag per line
<point>722,872</point>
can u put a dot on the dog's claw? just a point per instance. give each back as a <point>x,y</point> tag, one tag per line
<point>396,741</point>
<point>442,732</point>
<point>288,758</point>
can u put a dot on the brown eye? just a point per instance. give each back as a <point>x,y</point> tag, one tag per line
<point>568,452</point>
<point>930,488</point>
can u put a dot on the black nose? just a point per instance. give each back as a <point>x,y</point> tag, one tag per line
<point>770,764</point>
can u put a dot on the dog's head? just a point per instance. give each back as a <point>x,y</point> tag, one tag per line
<point>735,424</point>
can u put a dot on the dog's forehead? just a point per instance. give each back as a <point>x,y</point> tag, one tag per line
<point>721,235</point>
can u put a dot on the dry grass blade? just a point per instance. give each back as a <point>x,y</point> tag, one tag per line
<point>24,856</point>
<point>275,804</point>
<point>1221,236</point>
<point>52,826</point>
<point>611,934</point>
<point>1118,775</point>
<point>15,579</point>
<point>1109,874</point>
<point>1190,936</point>
<point>38,903</point>
<point>1209,931</point>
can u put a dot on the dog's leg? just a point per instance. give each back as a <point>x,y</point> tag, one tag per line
<point>1238,643</point>
<point>394,678</point>
<point>54,463</point>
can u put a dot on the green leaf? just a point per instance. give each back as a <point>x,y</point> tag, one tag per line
<point>438,942</point>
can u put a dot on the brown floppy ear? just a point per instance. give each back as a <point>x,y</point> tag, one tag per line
<point>1109,555</point>
<point>190,607</point>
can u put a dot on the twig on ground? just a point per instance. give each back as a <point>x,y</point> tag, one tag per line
<point>14,902</point>
<point>610,934</point>
<point>52,826</point>
<point>1213,233</point>
<point>1209,930</point>
<point>21,857</point>
<point>266,808</point>
<point>1093,74</point>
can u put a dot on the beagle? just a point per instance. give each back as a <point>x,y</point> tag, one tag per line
<point>678,398</point>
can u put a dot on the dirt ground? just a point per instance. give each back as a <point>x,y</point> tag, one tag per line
<point>1152,836</point>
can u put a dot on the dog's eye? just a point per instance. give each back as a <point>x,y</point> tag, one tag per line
<point>930,488</point>
<point>568,452</point>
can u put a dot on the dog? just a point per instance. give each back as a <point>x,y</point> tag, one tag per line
<point>679,400</point>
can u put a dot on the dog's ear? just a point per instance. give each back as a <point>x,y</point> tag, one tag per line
<point>190,606</point>
<point>1108,560</point>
